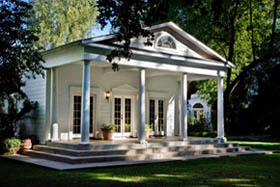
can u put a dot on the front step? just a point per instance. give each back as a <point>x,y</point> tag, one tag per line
<point>149,153</point>
<point>149,150</point>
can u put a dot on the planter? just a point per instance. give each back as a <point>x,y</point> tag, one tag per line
<point>107,135</point>
<point>12,151</point>
<point>147,135</point>
<point>26,144</point>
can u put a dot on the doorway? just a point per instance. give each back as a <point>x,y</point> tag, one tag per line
<point>123,116</point>
<point>157,116</point>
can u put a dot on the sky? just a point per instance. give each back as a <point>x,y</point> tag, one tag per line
<point>96,31</point>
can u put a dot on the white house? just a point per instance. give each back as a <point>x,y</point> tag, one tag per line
<point>80,92</point>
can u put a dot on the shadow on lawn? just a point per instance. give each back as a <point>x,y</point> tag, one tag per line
<point>247,170</point>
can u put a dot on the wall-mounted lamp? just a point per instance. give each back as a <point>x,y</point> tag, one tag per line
<point>107,95</point>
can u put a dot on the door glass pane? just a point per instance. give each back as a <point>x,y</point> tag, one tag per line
<point>160,115</point>
<point>77,114</point>
<point>91,115</point>
<point>152,114</point>
<point>127,115</point>
<point>117,114</point>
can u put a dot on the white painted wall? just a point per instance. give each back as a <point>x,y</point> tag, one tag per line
<point>35,89</point>
<point>69,81</point>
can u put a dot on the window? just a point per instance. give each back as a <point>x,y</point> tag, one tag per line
<point>197,110</point>
<point>77,114</point>
<point>166,42</point>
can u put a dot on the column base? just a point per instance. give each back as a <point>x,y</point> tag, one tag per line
<point>221,139</point>
<point>183,139</point>
<point>142,141</point>
<point>84,143</point>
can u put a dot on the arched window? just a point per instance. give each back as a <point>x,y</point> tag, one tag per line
<point>198,105</point>
<point>166,41</point>
<point>197,110</point>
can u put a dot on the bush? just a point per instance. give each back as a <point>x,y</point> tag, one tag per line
<point>10,145</point>
<point>109,127</point>
<point>200,125</point>
<point>212,134</point>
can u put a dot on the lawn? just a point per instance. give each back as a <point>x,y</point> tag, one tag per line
<point>262,170</point>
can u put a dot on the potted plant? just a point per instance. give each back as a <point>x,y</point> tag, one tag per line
<point>26,144</point>
<point>107,131</point>
<point>11,146</point>
<point>147,131</point>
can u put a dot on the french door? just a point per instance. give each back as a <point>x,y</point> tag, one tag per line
<point>157,115</point>
<point>77,107</point>
<point>122,116</point>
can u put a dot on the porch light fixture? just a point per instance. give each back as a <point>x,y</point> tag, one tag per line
<point>107,95</point>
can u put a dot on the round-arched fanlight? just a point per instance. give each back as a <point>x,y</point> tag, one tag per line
<point>166,41</point>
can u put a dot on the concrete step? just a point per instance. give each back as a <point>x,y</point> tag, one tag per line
<point>149,150</point>
<point>154,143</point>
<point>149,154</point>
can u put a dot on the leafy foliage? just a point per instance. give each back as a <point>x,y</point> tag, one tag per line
<point>108,127</point>
<point>64,21</point>
<point>9,119</point>
<point>18,57</point>
<point>128,19</point>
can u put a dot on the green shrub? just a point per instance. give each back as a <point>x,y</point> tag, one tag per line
<point>11,143</point>
<point>148,128</point>
<point>200,125</point>
<point>212,134</point>
<point>107,127</point>
<point>10,146</point>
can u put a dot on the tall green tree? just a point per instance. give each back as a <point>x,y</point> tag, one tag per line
<point>18,59</point>
<point>18,56</point>
<point>64,21</point>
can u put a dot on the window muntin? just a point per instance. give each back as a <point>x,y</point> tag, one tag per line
<point>77,104</point>
<point>166,42</point>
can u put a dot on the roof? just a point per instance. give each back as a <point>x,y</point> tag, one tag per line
<point>170,27</point>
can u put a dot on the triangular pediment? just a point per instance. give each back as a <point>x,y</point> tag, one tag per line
<point>186,45</point>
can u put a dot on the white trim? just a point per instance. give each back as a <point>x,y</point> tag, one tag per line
<point>75,90</point>
<point>72,117</point>
<point>162,34</point>
<point>159,55</point>
<point>157,66</point>
<point>123,133</point>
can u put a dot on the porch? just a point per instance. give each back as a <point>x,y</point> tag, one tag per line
<point>82,91</point>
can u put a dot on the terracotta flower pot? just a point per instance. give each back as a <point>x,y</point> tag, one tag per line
<point>147,135</point>
<point>26,144</point>
<point>107,135</point>
<point>12,151</point>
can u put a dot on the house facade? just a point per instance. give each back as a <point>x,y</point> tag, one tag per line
<point>80,91</point>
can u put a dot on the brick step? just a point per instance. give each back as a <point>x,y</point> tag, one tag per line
<point>71,152</point>
<point>111,158</point>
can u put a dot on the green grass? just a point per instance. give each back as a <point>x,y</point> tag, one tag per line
<point>262,170</point>
<point>257,143</point>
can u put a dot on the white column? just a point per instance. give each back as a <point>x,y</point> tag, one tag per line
<point>54,131</point>
<point>220,120</point>
<point>184,117</point>
<point>85,103</point>
<point>141,109</point>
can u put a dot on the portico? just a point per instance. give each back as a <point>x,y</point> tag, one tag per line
<point>82,92</point>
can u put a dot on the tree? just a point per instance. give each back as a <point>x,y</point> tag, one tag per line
<point>64,21</point>
<point>18,57</point>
